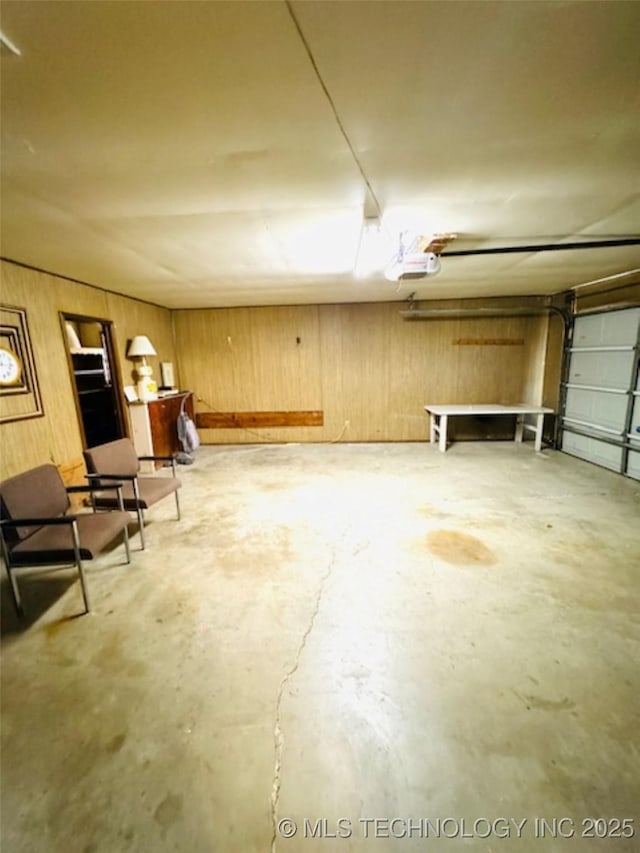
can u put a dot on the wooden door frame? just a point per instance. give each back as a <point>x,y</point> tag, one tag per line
<point>108,328</point>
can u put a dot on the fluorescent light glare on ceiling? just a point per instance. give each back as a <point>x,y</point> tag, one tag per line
<point>326,246</point>
<point>375,248</point>
<point>413,220</point>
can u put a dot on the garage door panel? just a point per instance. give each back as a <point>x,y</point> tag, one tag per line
<point>599,409</point>
<point>635,420</point>
<point>602,369</point>
<point>600,417</point>
<point>633,465</point>
<point>617,328</point>
<point>592,450</point>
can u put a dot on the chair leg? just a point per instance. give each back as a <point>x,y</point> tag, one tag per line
<point>178,505</point>
<point>136,495</point>
<point>80,567</point>
<point>15,593</point>
<point>126,544</point>
<point>83,584</point>
<point>141,526</point>
<point>13,583</point>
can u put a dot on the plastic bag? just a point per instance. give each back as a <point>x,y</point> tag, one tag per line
<point>187,433</point>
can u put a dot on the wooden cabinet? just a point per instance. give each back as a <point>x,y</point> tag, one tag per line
<point>154,424</point>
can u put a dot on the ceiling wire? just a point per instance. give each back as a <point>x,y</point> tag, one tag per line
<point>341,128</point>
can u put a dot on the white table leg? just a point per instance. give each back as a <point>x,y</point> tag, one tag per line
<point>519,427</point>
<point>443,433</point>
<point>432,428</point>
<point>539,428</point>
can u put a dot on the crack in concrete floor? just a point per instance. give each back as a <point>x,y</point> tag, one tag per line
<point>278,735</point>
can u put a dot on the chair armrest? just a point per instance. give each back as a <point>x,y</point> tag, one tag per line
<point>100,487</point>
<point>156,458</point>
<point>104,488</point>
<point>171,459</point>
<point>37,522</point>
<point>133,478</point>
<point>111,476</point>
<point>69,520</point>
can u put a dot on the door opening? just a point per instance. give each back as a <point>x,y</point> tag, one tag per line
<point>91,356</point>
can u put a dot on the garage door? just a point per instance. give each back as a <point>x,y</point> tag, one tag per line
<point>601,410</point>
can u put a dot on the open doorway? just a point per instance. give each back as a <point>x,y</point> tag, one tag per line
<point>92,364</point>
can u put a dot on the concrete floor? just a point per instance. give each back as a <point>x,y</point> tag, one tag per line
<point>339,633</point>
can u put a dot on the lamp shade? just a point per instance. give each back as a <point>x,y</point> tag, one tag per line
<point>140,347</point>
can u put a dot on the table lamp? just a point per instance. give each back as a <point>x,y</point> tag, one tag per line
<point>139,348</point>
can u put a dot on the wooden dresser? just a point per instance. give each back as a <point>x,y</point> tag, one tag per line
<point>154,424</point>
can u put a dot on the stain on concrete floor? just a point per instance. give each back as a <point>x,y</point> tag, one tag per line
<point>459,549</point>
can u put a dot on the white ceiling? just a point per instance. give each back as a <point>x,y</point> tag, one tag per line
<point>187,153</point>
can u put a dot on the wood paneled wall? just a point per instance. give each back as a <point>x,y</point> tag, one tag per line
<point>535,359</point>
<point>55,437</point>
<point>363,365</point>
